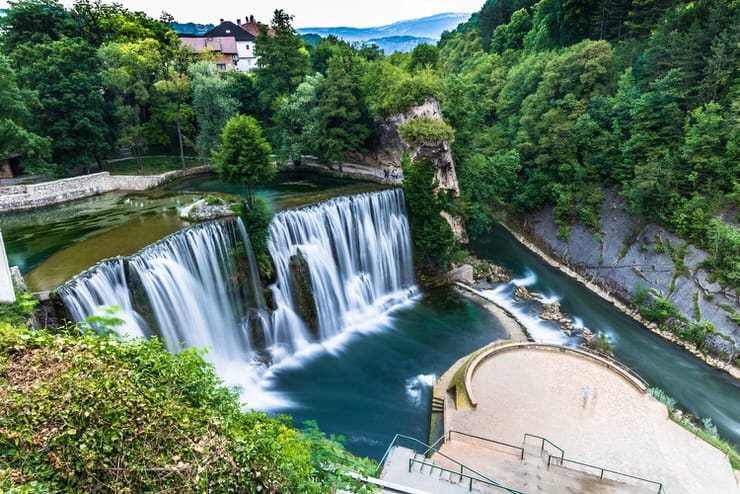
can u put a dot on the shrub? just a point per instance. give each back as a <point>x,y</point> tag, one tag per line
<point>421,130</point>
<point>85,413</point>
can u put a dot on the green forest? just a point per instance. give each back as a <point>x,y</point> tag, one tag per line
<point>552,102</point>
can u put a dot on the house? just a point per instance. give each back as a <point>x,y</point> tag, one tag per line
<point>232,44</point>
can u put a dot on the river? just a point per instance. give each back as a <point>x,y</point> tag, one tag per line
<point>376,382</point>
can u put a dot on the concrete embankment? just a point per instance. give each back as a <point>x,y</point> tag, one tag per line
<point>30,196</point>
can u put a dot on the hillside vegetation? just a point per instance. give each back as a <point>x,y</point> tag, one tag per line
<point>552,102</point>
<point>89,413</point>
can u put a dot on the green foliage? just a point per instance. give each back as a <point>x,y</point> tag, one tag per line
<point>84,413</point>
<point>424,56</point>
<point>212,105</point>
<point>434,240</point>
<point>244,155</point>
<point>297,120</point>
<point>405,90</point>
<point>344,124</point>
<point>16,137</point>
<point>653,115</point>
<point>21,312</point>
<point>419,130</point>
<point>283,60</point>
<point>257,218</point>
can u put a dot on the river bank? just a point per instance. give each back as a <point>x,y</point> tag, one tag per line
<point>622,306</point>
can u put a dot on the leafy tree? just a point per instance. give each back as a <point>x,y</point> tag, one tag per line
<point>297,120</point>
<point>705,151</point>
<point>242,88</point>
<point>345,124</point>
<point>65,74</point>
<point>244,155</point>
<point>172,103</point>
<point>130,72</point>
<point>15,119</point>
<point>283,59</point>
<point>212,105</point>
<point>424,56</point>
<point>35,22</point>
<point>434,240</point>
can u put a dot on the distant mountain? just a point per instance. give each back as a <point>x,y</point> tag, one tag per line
<point>400,36</point>
<point>191,28</point>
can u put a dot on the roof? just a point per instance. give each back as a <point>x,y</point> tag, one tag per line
<point>228,28</point>
<point>223,44</point>
<point>254,29</point>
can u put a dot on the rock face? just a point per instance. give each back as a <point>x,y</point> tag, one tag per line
<point>392,145</point>
<point>391,148</point>
<point>626,255</point>
<point>302,292</point>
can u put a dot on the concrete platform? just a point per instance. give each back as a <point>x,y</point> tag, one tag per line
<point>596,414</point>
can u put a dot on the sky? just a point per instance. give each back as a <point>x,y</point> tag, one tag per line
<point>316,13</point>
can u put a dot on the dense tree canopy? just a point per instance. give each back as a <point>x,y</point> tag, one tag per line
<point>635,95</point>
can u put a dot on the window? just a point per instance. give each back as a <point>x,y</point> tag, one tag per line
<point>221,66</point>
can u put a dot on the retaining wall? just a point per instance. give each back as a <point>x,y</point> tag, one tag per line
<point>21,197</point>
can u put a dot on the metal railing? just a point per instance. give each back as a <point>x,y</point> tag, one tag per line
<point>601,471</point>
<point>518,448</point>
<point>462,475</point>
<point>544,440</point>
<point>479,477</point>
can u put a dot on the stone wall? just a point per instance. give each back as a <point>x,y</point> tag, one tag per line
<point>21,197</point>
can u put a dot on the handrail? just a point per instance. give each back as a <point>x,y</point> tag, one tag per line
<point>542,444</point>
<point>463,475</point>
<point>463,466</point>
<point>661,490</point>
<point>521,450</point>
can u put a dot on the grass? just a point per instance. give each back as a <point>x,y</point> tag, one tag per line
<point>153,165</point>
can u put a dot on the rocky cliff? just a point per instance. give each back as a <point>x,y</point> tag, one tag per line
<point>625,256</point>
<point>392,145</point>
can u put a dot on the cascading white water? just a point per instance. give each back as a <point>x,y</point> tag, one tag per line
<point>187,283</point>
<point>103,287</point>
<point>358,253</point>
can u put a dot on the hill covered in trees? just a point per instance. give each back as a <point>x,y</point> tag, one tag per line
<point>554,101</point>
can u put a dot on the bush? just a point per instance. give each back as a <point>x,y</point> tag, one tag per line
<point>21,312</point>
<point>85,413</point>
<point>257,220</point>
<point>421,130</point>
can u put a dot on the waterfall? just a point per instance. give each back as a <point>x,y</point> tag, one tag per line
<point>345,263</point>
<point>103,286</point>
<point>187,286</point>
<point>357,251</point>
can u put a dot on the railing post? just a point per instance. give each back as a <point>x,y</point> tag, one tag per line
<point>602,474</point>
<point>410,462</point>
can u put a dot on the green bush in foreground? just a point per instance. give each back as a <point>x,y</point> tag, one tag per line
<point>84,413</point>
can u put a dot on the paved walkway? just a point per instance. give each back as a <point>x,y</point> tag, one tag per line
<point>612,425</point>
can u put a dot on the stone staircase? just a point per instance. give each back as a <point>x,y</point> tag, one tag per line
<point>491,468</point>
